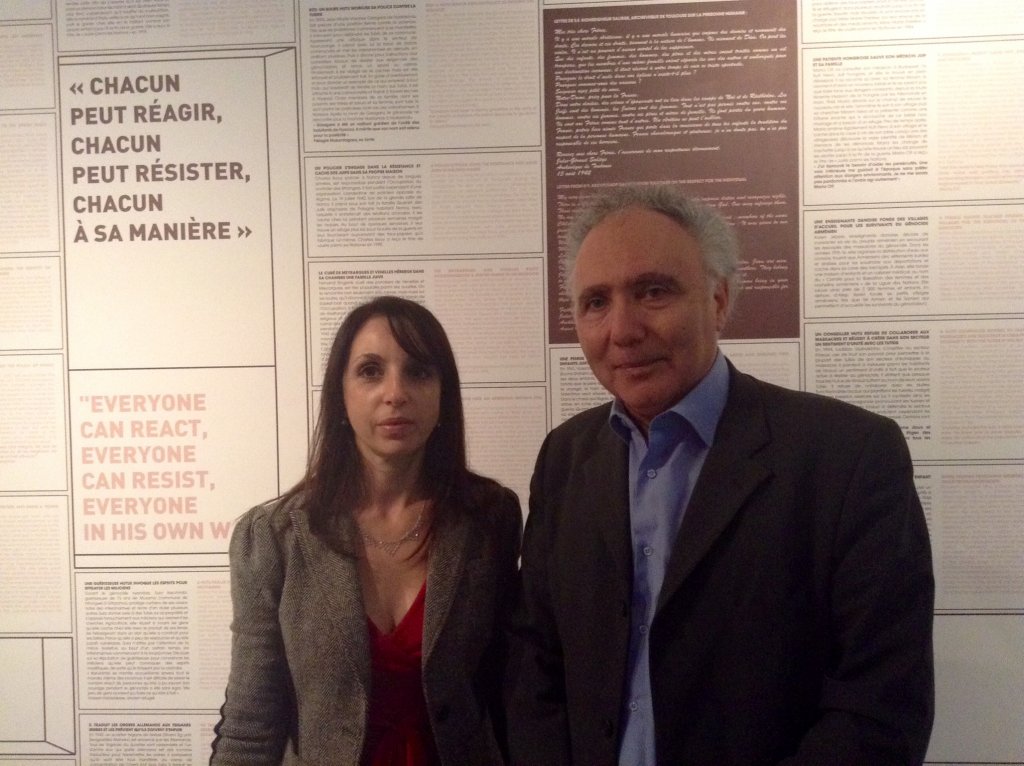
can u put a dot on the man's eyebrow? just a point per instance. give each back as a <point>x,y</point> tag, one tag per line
<point>588,292</point>
<point>591,289</point>
<point>653,277</point>
<point>638,280</point>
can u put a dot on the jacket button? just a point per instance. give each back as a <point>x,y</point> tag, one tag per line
<point>608,728</point>
<point>443,713</point>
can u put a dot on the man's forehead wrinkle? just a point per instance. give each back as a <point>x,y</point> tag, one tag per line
<point>651,276</point>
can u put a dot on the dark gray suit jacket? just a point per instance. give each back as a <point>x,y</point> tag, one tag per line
<point>794,622</point>
<point>299,687</point>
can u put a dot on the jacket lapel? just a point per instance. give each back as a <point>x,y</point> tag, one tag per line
<point>444,569</point>
<point>603,495</point>
<point>339,596</point>
<point>730,474</point>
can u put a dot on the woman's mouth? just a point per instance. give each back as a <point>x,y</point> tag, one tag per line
<point>396,427</point>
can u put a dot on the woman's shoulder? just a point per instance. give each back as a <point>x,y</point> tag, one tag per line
<point>492,503</point>
<point>267,527</point>
<point>277,514</point>
<point>482,491</point>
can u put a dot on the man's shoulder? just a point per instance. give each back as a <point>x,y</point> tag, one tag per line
<point>579,438</point>
<point>583,425</point>
<point>792,403</point>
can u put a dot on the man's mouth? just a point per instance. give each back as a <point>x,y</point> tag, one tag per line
<point>636,365</point>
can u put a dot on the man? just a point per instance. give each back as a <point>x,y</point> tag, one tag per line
<point>715,570</point>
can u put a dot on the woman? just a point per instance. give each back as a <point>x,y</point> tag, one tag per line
<point>369,600</point>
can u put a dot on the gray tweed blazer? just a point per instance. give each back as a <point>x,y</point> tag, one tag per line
<point>299,686</point>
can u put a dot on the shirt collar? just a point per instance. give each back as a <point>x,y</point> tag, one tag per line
<point>701,407</point>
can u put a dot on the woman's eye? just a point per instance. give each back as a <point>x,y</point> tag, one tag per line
<point>420,372</point>
<point>368,371</point>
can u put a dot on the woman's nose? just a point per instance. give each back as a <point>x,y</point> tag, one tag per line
<point>394,388</point>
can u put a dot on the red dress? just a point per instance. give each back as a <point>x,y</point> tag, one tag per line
<point>399,733</point>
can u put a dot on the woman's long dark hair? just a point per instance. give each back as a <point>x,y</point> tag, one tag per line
<point>334,482</point>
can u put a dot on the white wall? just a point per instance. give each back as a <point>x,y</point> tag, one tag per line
<point>194,194</point>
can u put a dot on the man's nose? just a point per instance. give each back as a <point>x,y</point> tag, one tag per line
<point>625,322</point>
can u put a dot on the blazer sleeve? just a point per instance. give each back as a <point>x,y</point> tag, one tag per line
<point>509,532</point>
<point>257,711</point>
<point>877,700</point>
<point>538,719</point>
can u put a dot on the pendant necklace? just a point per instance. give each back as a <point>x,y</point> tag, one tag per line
<point>391,547</point>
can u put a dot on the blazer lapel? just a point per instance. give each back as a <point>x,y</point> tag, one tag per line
<point>337,590</point>
<point>730,474</point>
<point>444,569</point>
<point>603,494</point>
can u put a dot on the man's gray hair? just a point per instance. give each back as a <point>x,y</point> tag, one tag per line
<point>715,237</point>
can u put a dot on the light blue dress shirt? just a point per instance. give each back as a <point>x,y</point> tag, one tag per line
<point>662,471</point>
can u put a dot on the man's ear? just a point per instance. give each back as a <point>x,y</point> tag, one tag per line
<point>723,302</point>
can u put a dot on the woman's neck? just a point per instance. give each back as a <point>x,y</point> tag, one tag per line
<point>391,484</point>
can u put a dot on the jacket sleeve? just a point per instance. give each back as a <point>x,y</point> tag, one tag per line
<point>258,707</point>
<point>538,719</point>
<point>509,532</point>
<point>877,699</point>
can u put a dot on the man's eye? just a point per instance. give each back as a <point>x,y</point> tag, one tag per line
<point>594,303</point>
<point>654,291</point>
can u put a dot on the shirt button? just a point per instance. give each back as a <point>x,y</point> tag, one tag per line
<point>648,550</point>
<point>643,630</point>
<point>634,706</point>
<point>651,473</point>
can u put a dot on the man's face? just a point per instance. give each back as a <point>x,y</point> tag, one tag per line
<point>646,313</point>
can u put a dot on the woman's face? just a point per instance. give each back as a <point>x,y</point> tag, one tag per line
<point>392,401</point>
